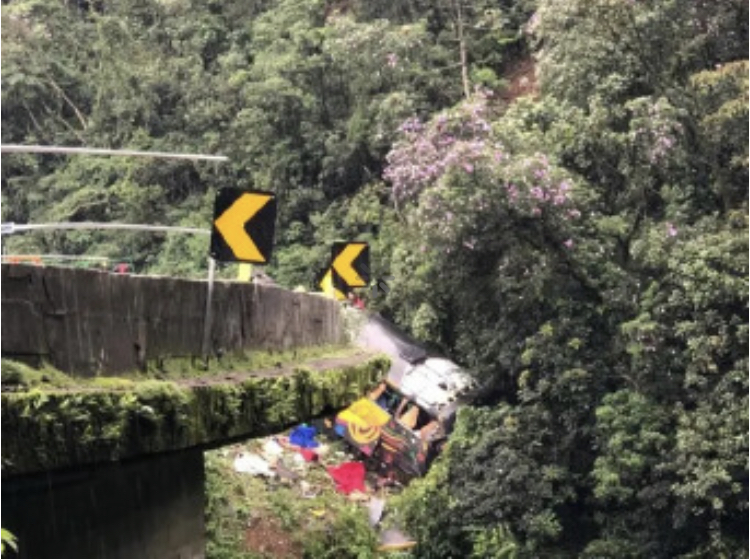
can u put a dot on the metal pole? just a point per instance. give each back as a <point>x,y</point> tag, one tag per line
<point>208,316</point>
<point>61,257</point>
<point>20,149</point>
<point>11,228</point>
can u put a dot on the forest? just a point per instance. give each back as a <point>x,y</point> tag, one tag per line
<point>556,192</point>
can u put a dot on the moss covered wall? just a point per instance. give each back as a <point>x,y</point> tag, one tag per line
<point>52,429</point>
<point>87,322</point>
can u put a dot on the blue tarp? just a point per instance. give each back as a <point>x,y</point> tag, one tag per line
<point>303,436</point>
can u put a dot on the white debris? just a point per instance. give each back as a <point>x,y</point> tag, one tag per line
<point>271,449</point>
<point>251,463</point>
<point>375,509</point>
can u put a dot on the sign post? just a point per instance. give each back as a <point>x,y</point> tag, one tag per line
<point>242,231</point>
<point>208,315</point>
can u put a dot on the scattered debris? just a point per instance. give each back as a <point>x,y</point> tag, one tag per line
<point>361,424</point>
<point>395,539</point>
<point>251,463</point>
<point>308,455</point>
<point>310,474</point>
<point>271,449</point>
<point>348,477</point>
<point>304,436</point>
<point>284,473</point>
<point>375,509</point>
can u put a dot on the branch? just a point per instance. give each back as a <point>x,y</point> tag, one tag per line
<point>462,50</point>
<point>61,93</point>
<point>70,127</point>
<point>33,118</point>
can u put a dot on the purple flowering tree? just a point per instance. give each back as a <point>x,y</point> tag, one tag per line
<point>460,184</point>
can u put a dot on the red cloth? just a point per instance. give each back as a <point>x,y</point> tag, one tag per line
<point>348,477</point>
<point>308,454</point>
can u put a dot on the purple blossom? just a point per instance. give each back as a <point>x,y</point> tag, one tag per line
<point>671,230</point>
<point>568,243</point>
<point>537,193</point>
<point>534,20</point>
<point>411,125</point>
<point>425,152</point>
<point>392,60</point>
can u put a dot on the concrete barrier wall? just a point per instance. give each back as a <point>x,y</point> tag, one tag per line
<point>87,322</point>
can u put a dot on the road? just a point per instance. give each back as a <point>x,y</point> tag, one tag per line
<point>380,335</point>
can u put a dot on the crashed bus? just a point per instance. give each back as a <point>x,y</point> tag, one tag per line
<point>402,425</point>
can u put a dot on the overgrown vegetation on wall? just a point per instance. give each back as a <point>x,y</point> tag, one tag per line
<point>47,428</point>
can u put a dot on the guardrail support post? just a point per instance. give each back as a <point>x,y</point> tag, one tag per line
<point>208,315</point>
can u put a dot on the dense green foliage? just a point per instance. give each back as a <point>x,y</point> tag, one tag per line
<point>614,321</point>
<point>583,248</point>
<point>304,97</point>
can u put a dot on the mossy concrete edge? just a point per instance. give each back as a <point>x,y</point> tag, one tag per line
<point>53,429</point>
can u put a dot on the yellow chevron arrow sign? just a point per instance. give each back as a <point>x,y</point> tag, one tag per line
<point>230,239</point>
<point>343,265</point>
<point>329,289</point>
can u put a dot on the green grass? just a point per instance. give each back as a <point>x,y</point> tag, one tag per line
<point>184,368</point>
<point>20,374</point>
<point>174,369</point>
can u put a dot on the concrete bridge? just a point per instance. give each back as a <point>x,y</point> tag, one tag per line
<point>102,466</point>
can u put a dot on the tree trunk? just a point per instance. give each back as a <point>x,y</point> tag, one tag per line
<point>462,47</point>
